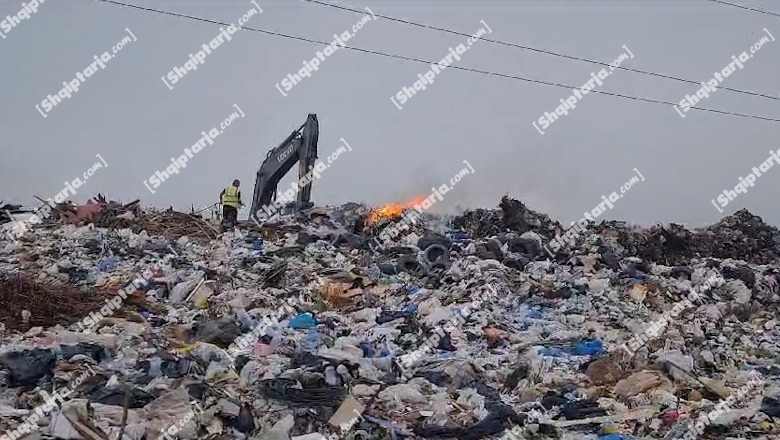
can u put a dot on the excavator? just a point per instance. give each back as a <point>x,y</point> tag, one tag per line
<point>301,147</point>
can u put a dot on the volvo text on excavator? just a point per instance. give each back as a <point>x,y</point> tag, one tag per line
<point>301,147</point>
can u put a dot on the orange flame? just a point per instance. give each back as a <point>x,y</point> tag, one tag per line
<point>392,210</point>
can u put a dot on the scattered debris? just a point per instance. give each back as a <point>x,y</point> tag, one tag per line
<point>295,329</point>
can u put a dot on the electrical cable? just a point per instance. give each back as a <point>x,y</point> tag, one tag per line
<point>285,389</point>
<point>407,58</point>
<point>745,7</point>
<point>546,52</point>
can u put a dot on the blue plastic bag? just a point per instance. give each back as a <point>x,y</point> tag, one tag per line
<point>614,437</point>
<point>108,264</point>
<point>410,308</point>
<point>534,314</point>
<point>588,347</point>
<point>303,321</point>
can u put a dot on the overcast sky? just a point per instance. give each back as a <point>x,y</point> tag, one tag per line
<point>136,123</point>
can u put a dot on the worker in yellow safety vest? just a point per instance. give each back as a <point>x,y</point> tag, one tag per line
<point>231,201</point>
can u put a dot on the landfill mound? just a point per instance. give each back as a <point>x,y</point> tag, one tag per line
<point>313,327</point>
<point>512,215</point>
<point>741,236</point>
<point>112,215</point>
<point>170,224</point>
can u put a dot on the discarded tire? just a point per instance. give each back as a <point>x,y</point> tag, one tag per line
<point>431,238</point>
<point>524,246</point>
<point>436,252</point>
<point>410,265</point>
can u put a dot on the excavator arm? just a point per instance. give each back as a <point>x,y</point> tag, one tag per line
<point>301,147</point>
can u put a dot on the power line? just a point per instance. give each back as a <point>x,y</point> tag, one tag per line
<point>419,60</point>
<point>745,7</point>
<point>546,52</point>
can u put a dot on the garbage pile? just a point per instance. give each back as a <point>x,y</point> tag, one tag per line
<point>102,213</point>
<point>7,211</point>
<point>169,223</point>
<point>61,212</point>
<point>742,236</point>
<point>512,215</point>
<point>135,324</point>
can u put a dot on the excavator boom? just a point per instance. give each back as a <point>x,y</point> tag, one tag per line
<point>300,146</point>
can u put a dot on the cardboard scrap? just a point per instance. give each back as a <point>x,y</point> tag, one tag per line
<point>347,414</point>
